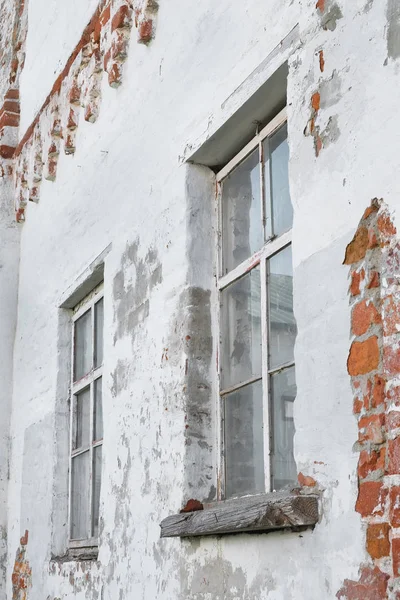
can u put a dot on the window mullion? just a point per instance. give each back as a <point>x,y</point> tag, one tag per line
<point>265,376</point>
<point>71,429</point>
<point>91,427</point>
<point>91,462</point>
<point>262,190</point>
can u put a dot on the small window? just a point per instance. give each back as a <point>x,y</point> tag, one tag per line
<point>86,420</point>
<point>257,325</point>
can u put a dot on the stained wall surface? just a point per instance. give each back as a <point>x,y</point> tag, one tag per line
<point>128,192</point>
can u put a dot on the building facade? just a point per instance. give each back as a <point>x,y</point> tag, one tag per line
<point>199,291</point>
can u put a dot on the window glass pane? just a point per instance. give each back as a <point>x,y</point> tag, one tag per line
<point>98,332</point>
<point>83,346</point>
<point>98,410</point>
<point>242,233</point>
<point>241,330</point>
<point>244,448</point>
<point>283,393</point>
<point>276,163</point>
<point>97,453</point>
<point>80,497</point>
<point>282,325</point>
<point>82,420</point>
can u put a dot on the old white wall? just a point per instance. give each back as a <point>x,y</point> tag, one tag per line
<point>126,186</point>
<point>9,261</point>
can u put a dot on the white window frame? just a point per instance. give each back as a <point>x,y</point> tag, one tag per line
<point>272,246</point>
<point>87,381</point>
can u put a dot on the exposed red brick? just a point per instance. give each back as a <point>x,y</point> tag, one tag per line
<point>393,395</point>
<point>90,112</point>
<point>374,280</point>
<point>316,101</point>
<point>372,239</point>
<point>121,18</point>
<point>106,59</point>
<point>370,462</point>
<point>371,498</point>
<point>372,585</point>
<point>306,480</point>
<point>105,15</point>
<point>364,315</point>
<point>385,225</point>
<point>363,356</point>
<point>356,279</point>
<point>145,31</point>
<point>6,151</point>
<point>318,145</point>
<point>320,5</point>
<point>370,429</point>
<point>393,467</point>
<point>321,61</point>
<point>394,506</point>
<point>114,75</point>
<point>393,420</point>
<point>357,406</point>
<point>8,119</point>
<point>371,209</point>
<point>12,94</point>
<point>20,215</point>
<point>378,391</point>
<point>85,39</point>
<point>75,93</point>
<point>119,47</point>
<point>24,539</point>
<point>192,505</point>
<point>72,121</point>
<point>391,359</point>
<point>11,106</point>
<point>396,556</point>
<point>391,309</point>
<point>378,544</point>
<point>357,248</point>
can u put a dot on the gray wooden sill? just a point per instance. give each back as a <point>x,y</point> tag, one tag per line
<point>266,512</point>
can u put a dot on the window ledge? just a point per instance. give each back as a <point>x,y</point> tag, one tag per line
<point>79,550</point>
<point>266,512</point>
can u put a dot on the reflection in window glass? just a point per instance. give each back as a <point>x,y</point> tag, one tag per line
<point>98,410</point>
<point>244,453</point>
<point>80,496</point>
<point>82,419</point>
<point>98,333</point>
<point>281,323</point>
<point>276,172</point>
<point>97,453</point>
<point>283,394</point>
<point>242,233</point>
<point>241,326</point>
<point>83,346</point>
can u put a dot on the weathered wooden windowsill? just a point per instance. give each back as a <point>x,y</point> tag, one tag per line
<point>266,512</point>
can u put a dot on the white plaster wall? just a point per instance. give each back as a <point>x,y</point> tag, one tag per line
<point>54,29</point>
<point>126,184</point>
<point>9,261</point>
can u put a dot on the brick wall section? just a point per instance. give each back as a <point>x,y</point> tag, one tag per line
<point>103,48</point>
<point>374,367</point>
<point>22,572</point>
<point>13,30</point>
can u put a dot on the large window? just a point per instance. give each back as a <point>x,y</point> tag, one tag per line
<point>86,420</point>
<point>257,326</point>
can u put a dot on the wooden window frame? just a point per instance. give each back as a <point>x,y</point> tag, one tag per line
<point>87,381</point>
<point>272,246</point>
